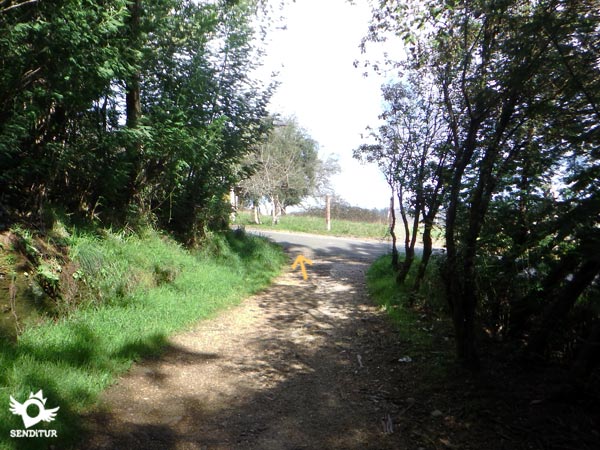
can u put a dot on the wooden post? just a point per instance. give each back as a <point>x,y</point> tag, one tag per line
<point>233,203</point>
<point>328,212</point>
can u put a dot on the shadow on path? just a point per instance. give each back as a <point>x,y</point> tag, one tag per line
<point>304,365</point>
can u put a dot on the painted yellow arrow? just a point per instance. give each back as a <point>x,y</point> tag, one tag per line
<point>300,259</point>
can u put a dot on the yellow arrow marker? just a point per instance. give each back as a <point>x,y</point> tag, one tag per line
<point>300,259</point>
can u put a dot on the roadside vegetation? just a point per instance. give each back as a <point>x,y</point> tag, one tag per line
<point>419,320</point>
<point>133,124</point>
<point>158,125</point>
<point>490,127</point>
<point>512,403</point>
<point>101,301</point>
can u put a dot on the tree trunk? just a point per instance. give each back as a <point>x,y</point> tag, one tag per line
<point>463,318</point>
<point>275,213</point>
<point>466,348</point>
<point>408,255</point>
<point>461,306</point>
<point>405,266</point>
<point>132,95</point>
<point>393,233</point>
<point>427,251</point>
<point>410,252</point>
<point>133,105</point>
<point>428,221</point>
<point>233,203</point>
<point>255,210</point>
<point>133,101</point>
<point>328,212</point>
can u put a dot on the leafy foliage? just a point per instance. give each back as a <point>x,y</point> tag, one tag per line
<point>128,112</point>
<point>144,288</point>
<point>286,168</point>
<point>519,83</point>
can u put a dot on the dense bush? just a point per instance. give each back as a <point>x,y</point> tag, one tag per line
<point>493,124</point>
<point>127,112</point>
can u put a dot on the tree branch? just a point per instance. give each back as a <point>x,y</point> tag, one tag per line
<point>17,5</point>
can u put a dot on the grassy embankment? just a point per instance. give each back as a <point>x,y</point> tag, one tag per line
<point>421,326</point>
<point>316,225</point>
<point>134,292</point>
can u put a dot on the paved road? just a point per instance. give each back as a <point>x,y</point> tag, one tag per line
<point>316,246</point>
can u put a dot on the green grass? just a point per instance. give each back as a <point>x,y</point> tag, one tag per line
<point>316,225</point>
<point>146,288</point>
<point>394,298</point>
<point>422,328</point>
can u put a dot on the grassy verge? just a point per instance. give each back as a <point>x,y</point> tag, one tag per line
<point>384,290</point>
<point>422,328</point>
<point>316,225</point>
<point>145,289</point>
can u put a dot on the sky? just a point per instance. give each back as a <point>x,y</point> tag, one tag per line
<point>330,98</point>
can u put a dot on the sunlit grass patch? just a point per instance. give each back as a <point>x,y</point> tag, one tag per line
<point>142,290</point>
<point>316,225</point>
<point>394,298</point>
<point>422,328</point>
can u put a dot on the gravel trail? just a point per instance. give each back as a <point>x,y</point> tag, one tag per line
<point>305,364</point>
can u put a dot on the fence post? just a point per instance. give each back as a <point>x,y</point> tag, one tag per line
<point>328,212</point>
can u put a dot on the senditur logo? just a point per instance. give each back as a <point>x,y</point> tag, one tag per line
<point>43,414</point>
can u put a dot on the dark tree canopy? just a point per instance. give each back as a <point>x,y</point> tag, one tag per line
<point>519,83</point>
<point>125,111</point>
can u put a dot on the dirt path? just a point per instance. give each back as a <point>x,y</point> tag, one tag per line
<point>304,365</point>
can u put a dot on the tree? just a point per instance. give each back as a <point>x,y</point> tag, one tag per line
<point>411,154</point>
<point>502,96</point>
<point>389,159</point>
<point>519,82</point>
<point>131,112</point>
<point>205,109</point>
<point>286,168</point>
<point>59,60</point>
